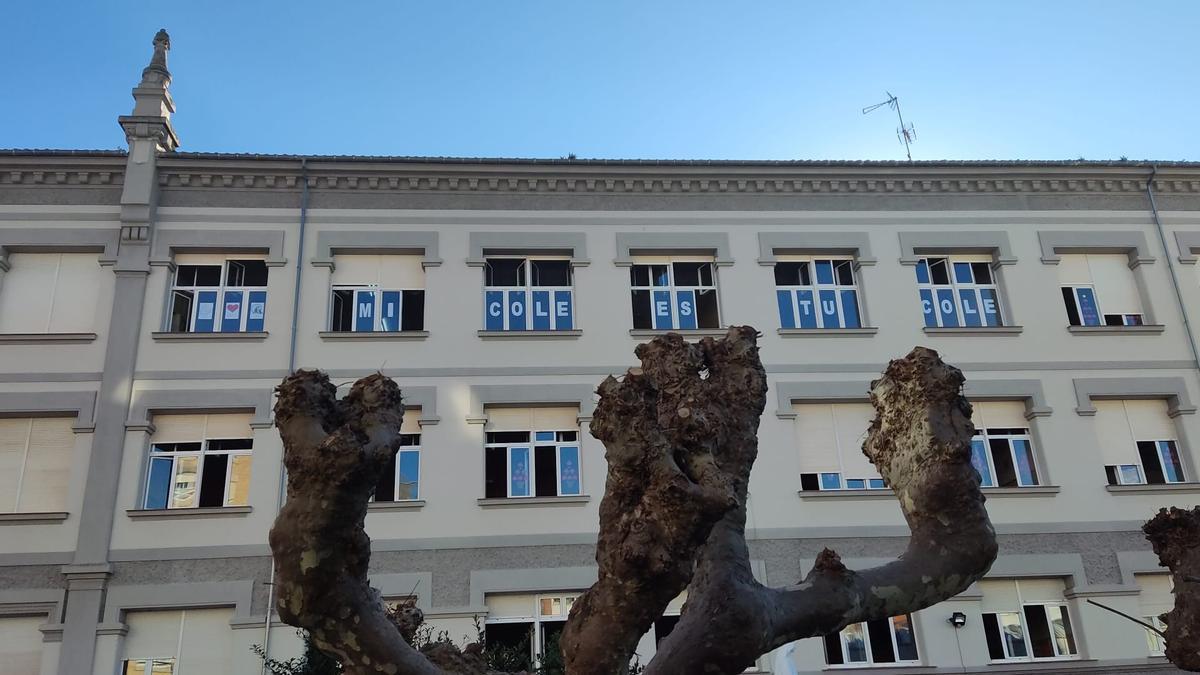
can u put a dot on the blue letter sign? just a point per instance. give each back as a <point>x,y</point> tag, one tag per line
<point>364,311</point>
<point>493,310</point>
<point>541,310</point>
<point>563,313</point>
<point>516,310</point>
<point>662,310</point>
<point>685,304</point>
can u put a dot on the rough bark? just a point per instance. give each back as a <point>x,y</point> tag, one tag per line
<point>334,452</point>
<point>920,442</point>
<point>1175,535</point>
<point>680,434</point>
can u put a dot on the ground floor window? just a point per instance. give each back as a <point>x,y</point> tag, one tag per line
<point>873,642</point>
<point>523,632</point>
<point>1035,632</point>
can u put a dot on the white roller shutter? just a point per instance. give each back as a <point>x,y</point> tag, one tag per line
<point>851,421</point>
<point>555,418</point>
<point>411,423</point>
<point>152,634</point>
<point>1113,439</point>
<point>178,428</point>
<point>21,645</point>
<point>355,270</point>
<point>14,439</point>
<point>401,271</point>
<point>207,645</point>
<point>510,606</point>
<point>1073,270</point>
<point>1149,421</point>
<point>1041,591</point>
<point>27,292</point>
<point>76,293</point>
<point>1115,286</point>
<point>816,438</point>
<point>47,475</point>
<point>999,595</point>
<point>228,425</point>
<point>999,414</point>
<point>1156,595</point>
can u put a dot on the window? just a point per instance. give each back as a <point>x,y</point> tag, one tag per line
<point>829,438</point>
<point>21,644</point>
<point>401,480</point>
<point>524,630</point>
<point>35,464</point>
<point>178,642</point>
<point>1026,620</point>
<point>958,291</point>
<point>528,294</point>
<point>1157,597</point>
<point>377,294</point>
<point>52,292</point>
<point>214,295</point>
<point>199,461</point>
<point>1137,443</point>
<point>816,293</point>
<point>873,642</point>
<point>1099,290</point>
<point>532,452</point>
<point>673,294</point>
<point>1002,451</point>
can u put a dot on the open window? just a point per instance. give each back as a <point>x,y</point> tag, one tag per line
<point>215,294</point>
<point>829,438</point>
<point>1099,289</point>
<point>1027,620</point>
<point>1137,442</point>
<point>401,481</point>
<point>673,293</point>
<point>816,292</point>
<point>959,291</point>
<point>532,452</point>
<point>885,641</point>
<point>1002,449</point>
<point>528,293</point>
<point>377,294</point>
<point>523,631</point>
<point>199,461</point>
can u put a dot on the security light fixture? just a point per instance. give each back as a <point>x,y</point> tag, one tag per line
<point>958,619</point>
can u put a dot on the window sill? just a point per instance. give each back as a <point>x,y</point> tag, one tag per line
<point>886,667</point>
<point>529,334</point>
<point>846,494</point>
<point>1031,491</point>
<point>407,505</point>
<point>171,514</point>
<point>686,332</point>
<point>1154,329</point>
<point>1033,666</point>
<point>162,336</point>
<point>45,338</point>
<point>517,502</point>
<point>385,336</point>
<point>41,518</point>
<point>827,332</point>
<point>1153,489</point>
<point>975,331</point>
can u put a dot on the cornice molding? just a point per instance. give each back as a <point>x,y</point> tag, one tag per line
<point>74,176</point>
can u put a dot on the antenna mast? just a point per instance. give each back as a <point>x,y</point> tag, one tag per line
<point>906,133</point>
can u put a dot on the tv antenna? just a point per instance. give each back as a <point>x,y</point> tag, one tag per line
<point>906,133</point>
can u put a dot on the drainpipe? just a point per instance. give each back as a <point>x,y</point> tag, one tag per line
<point>291,369</point>
<point>1162,238</point>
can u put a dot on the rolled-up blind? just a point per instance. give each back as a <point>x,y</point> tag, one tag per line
<point>999,595</point>
<point>1114,442</point>
<point>1115,285</point>
<point>386,271</point>
<point>153,634</point>
<point>1149,421</point>
<point>1073,270</point>
<point>1156,594</point>
<point>411,423</point>
<point>1047,590</point>
<point>554,418</point>
<point>511,606</point>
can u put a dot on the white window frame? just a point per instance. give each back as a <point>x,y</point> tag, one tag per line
<point>986,436</point>
<point>566,600</point>
<point>204,451</point>
<point>956,286</point>
<point>411,448</point>
<point>868,482</point>
<point>847,663</point>
<point>532,444</point>
<point>1020,613</point>
<point>672,287</point>
<point>527,290</point>
<point>1155,642</point>
<point>816,287</point>
<point>221,289</point>
<point>148,665</point>
<point>1126,319</point>
<point>377,323</point>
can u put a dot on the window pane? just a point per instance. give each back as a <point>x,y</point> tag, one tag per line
<point>551,272</point>
<point>1130,474</point>
<point>639,275</point>
<point>833,649</point>
<point>962,272</point>
<point>247,273</point>
<point>938,272</point>
<point>1039,631</point>
<point>1013,634</point>
<point>856,484</point>
<point>159,484</point>
<point>1060,629</point>
<point>341,316</point>
<point>880,634</point>
<point>659,275</point>
<point>508,437</point>
<point>212,486</point>
<point>569,470</point>
<point>412,309</point>
<point>831,481</point>
<point>854,640</point>
<point>181,311</point>
<point>1006,473</point>
<point>687,273</point>
<point>1148,450</point>
<point>991,630</point>
<point>239,481</point>
<point>208,275</point>
<point>495,473</point>
<point>809,481</point>
<point>640,301</point>
<point>1026,470</point>
<point>824,271</point>
<point>231,444</point>
<point>545,479</point>
<point>706,309</point>
<point>504,272</point>
<point>385,488</point>
<point>982,272</point>
<point>185,275</point>
<point>1172,468</point>
<point>518,472</point>
<point>791,274</point>
<point>980,462</point>
<point>845,272</point>
<point>408,482</point>
<point>906,641</point>
<point>183,489</point>
<point>1068,295</point>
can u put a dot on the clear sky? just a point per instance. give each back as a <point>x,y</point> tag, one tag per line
<point>763,79</point>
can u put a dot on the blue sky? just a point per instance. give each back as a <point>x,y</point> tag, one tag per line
<point>1051,79</point>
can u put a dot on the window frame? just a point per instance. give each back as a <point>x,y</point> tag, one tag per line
<point>407,446</point>
<point>869,651</point>
<point>148,665</point>
<point>537,618</point>
<point>223,287</point>
<point>200,455</point>
<point>1023,620</point>
<point>527,290</point>
<point>377,321</point>
<point>531,445</point>
<point>672,289</point>
<point>843,482</point>
<point>815,287</point>
<point>933,317</point>
<point>1140,465</point>
<point>986,435</point>
<point>1075,315</point>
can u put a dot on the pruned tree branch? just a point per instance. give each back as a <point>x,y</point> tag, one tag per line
<point>1175,536</point>
<point>920,442</point>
